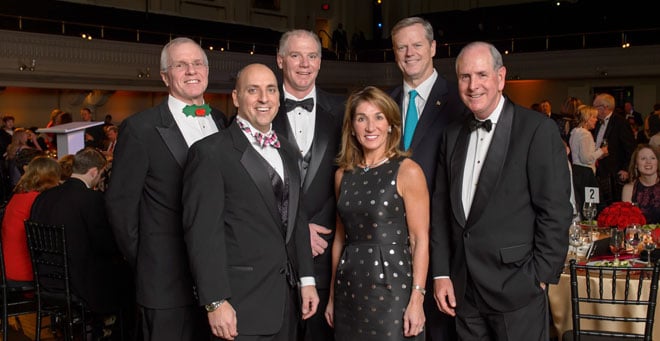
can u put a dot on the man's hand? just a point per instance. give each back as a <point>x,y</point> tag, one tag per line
<point>443,291</point>
<point>318,243</point>
<point>223,321</point>
<point>310,301</point>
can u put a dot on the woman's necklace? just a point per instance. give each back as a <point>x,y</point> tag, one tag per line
<point>376,164</point>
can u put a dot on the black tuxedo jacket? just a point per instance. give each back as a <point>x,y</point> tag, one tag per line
<point>442,107</point>
<point>143,202</point>
<point>620,145</point>
<point>318,185</point>
<point>96,274</point>
<point>234,232</point>
<point>516,234</point>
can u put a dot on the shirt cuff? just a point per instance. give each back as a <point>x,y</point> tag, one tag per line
<point>438,277</point>
<point>307,280</point>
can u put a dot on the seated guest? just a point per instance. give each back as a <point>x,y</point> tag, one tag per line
<point>643,188</point>
<point>40,174</point>
<point>66,162</point>
<point>98,274</point>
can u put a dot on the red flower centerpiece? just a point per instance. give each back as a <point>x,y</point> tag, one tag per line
<point>621,214</point>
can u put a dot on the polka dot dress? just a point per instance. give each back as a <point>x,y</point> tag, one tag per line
<point>374,275</point>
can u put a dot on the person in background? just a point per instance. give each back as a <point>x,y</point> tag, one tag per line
<point>99,276</point>
<point>18,155</point>
<point>380,255</point>
<point>428,104</point>
<point>8,122</point>
<point>615,132</point>
<point>107,121</point>
<point>245,233</point>
<point>340,42</point>
<point>111,132</point>
<point>584,153</point>
<point>501,209</point>
<point>569,111</point>
<point>562,124</point>
<point>314,130</point>
<point>40,174</point>
<point>94,136</point>
<point>630,112</point>
<point>66,163</point>
<point>643,189</point>
<point>63,118</point>
<point>143,198</point>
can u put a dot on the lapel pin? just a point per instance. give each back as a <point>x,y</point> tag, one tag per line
<point>437,103</point>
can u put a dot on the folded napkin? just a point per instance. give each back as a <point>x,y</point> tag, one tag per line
<point>611,257</point>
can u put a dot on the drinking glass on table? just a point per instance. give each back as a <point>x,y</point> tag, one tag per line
<point>589,210</point>
<point>649,244</point>
<point>617,243</point>
<point>574,237</point>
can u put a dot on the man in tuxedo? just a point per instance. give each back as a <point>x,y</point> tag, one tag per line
<point>247,241</point>
<point>311,120</point>
<point>614,130</point>
<point>434,106</point>
<point>98,273</point>
<point>94,136</point>
<point>144,198</point>
<point>503,233</point>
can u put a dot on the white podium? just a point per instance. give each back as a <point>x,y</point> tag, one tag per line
<point>70,136</point>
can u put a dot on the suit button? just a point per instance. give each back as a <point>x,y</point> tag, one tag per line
<point>466,235</point>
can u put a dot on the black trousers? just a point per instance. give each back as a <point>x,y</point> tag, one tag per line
<point>476,321</point>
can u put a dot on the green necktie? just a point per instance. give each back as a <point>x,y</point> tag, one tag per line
<point>411,120</point>
<point>197,110</point>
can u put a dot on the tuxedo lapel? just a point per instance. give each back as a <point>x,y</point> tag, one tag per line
<point>494,163</point>
<point>458,157</point>
<point>291,169</point>
<point>320,145</point>
<point>172,136</point>
<point>253,164</point>
<point>430,113</point>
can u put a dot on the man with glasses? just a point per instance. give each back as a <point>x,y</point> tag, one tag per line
<point>615,132</point>
<point>144,204</point>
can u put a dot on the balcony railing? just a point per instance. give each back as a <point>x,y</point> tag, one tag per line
<point>373,51</point>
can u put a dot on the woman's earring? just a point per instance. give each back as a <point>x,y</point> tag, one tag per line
<point>389,129</point>
<point>352,133</point>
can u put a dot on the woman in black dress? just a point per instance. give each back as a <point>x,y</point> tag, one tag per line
<point>380,253</point>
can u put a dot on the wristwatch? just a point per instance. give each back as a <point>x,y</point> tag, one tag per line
<point>214,305</point>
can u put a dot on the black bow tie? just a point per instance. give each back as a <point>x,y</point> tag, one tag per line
<point>476,124</point>
<point>307,104</point>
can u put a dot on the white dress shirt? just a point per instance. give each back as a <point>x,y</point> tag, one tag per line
<point>423,93</point>
<point>477,152</point>
<point>601,130</point>
<point>302,122</point>
<point>193,128</point>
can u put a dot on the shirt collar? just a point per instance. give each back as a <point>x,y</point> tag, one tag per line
<point>424,88</point>
<point>252,128</point>
<point>176,106</point>
<point>311,94</point>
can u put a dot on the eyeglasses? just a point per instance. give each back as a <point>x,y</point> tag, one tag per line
<point>181,66</point>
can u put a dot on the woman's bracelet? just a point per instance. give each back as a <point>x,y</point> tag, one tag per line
<point>420,289</point>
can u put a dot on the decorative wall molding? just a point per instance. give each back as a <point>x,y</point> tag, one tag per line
<point>65,62</point>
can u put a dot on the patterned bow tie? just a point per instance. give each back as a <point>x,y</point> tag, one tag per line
<point>475,124</point>
<point>307,104</point>
<point>197,110</point>
<point>262,139</point>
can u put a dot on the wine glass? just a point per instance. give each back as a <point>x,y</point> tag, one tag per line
<point>617,243</point>
<point>574,237</point>
<point>649,244</point>
<point>589,210</point>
